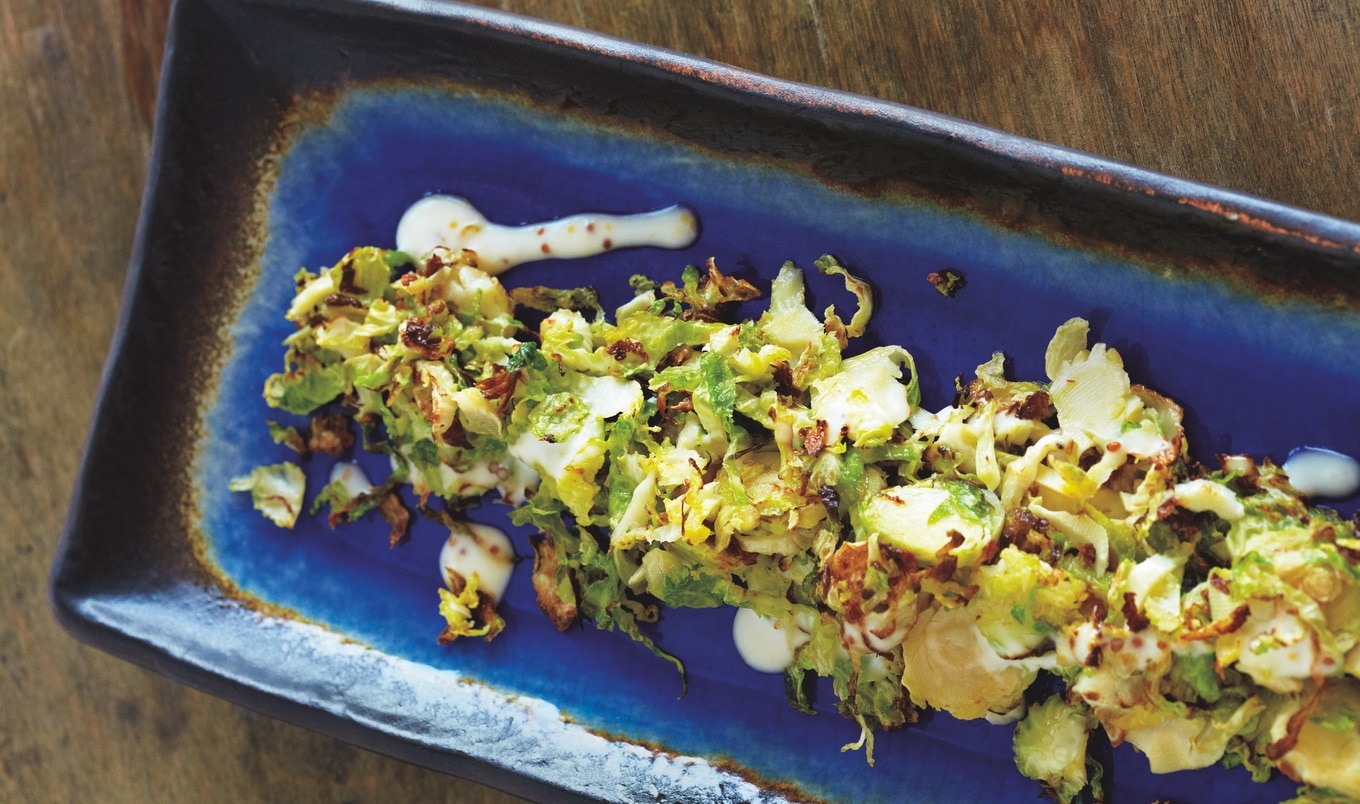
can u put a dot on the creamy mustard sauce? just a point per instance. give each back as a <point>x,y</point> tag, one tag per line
<point>761,642</point>
<point>481,550</point>
<point>352,475</point>
<point>1003,718</point>
<point>1317,472</point>
<point>452,222</point>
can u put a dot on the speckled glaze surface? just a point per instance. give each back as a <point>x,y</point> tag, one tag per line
<point>1243,311</point>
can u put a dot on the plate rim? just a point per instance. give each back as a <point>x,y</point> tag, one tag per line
<point>1249,216</point>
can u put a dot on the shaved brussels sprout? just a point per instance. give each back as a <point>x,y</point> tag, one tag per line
<point>276,491</point>
<point>1050,747</point>
<point>941,559</point>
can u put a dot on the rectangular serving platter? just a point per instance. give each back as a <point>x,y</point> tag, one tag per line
<point>289,132</point>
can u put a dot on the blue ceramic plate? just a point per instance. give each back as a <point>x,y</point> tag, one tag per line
<point>299,130</point>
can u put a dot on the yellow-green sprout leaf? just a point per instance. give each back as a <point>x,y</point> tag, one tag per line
<point>567,337</point>
<point>363,273</point>
<point>927,520</point>
<point>478,414</point>
<point>1050,747</point>
<point>1022,601</point>
<point>549,300</point>
<point>1175,741</point>
<point>684,581</point>
<point>476,294</point>
<point>1155,583</point>
<point>952,667</point>
<point>467,614</point>
<point>1325,757</point>
<point>706,291</point>
<point>305,392</point>
<point>789,323</point>
<point>1194,675</point>
<point>312,294</point>
<point>567,467</point>
<point>719,385</point>
<point>558,417</point>
<point>865,400</point>
<point>1067,343</point>
<point>828,264</point>
<point>1092,393</point>
<point>874,697</point>
<point>276,491</point>
<point>289,437</point>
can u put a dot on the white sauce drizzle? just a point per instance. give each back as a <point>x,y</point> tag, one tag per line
<point>481,549</point>
<point>1002,718</point>
<point>761,642</point>
<point>1317,472</point>
<point>452,222</point>
<point>352,475</point>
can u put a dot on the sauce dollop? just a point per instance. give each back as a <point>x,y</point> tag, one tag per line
<point>481,549</point>
<point>452,222</point>
<point>353,476</point>
<point>761,642</point>
<point>1317,472</point>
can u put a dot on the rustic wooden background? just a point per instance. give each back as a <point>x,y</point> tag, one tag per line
<point>1256,95</point>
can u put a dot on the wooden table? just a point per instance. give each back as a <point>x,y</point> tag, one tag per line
<point>1258,95</point>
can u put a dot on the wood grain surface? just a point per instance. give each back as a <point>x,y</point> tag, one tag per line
<point>1256,95</point>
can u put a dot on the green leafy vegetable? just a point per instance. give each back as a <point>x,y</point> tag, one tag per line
<point>670,456</point>
<point>276,491</point>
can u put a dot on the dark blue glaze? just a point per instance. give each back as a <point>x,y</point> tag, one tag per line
<point>1254,378</point>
